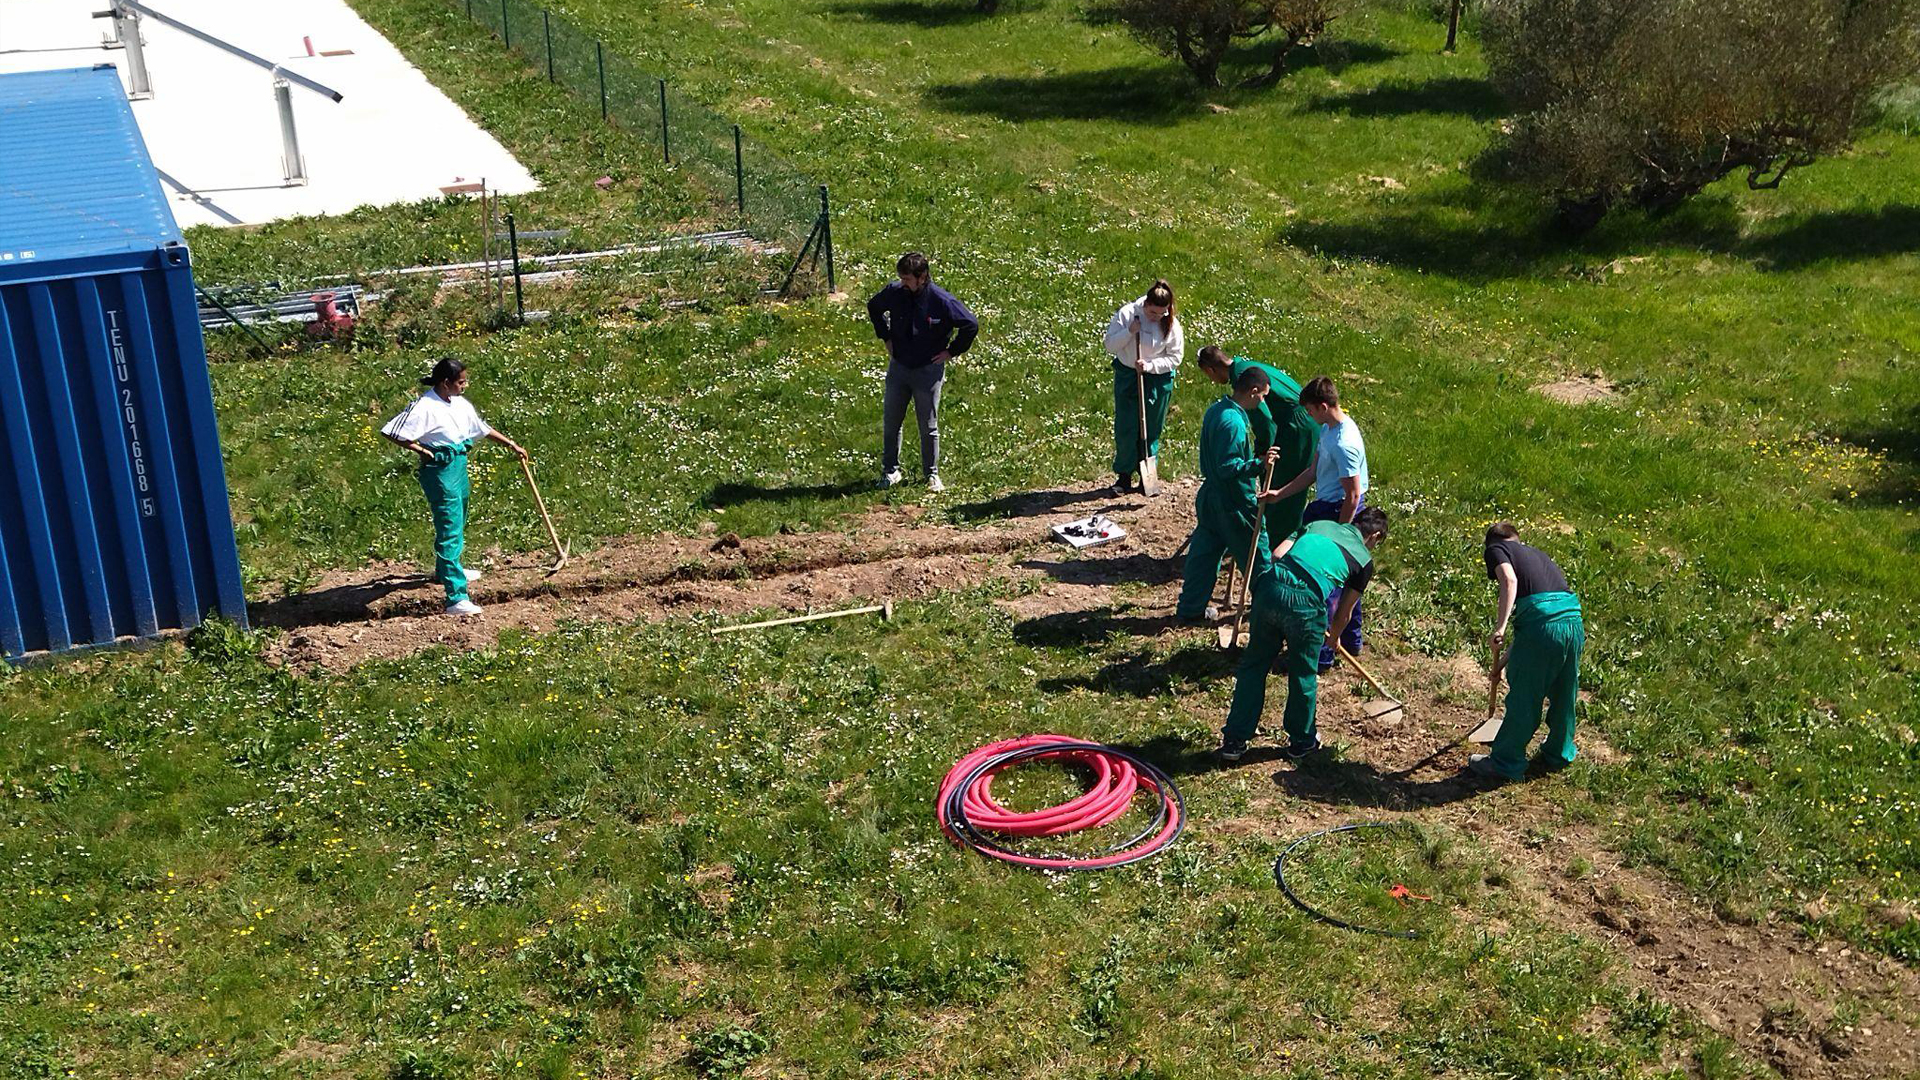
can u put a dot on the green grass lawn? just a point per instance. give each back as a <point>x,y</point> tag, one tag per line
<point>1740,523</point>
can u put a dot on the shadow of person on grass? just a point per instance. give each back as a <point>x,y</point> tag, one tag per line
<point>1139,568</point>
<point>342,603</point>
<point>732,494</point>
<point>1324,778</point>
<point>1078,628</point>
<point>1143,674</point>
<point>1033,503</point>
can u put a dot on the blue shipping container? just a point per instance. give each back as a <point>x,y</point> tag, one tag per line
<point>114,519</point>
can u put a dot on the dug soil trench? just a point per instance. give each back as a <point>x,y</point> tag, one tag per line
<point>1808,1008</point>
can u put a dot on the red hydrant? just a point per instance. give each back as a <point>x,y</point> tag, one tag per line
<point>329,322</point>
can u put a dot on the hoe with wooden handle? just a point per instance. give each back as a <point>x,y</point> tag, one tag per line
<point>559,549</point>
<point>885,609</point>
<point>1373,709</point>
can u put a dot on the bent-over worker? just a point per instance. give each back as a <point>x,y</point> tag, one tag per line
<point>1324,559</point>
<point>1543,663</point>
<point>440,426</point>
<point>1280,421</point>
<point>1227,503</point>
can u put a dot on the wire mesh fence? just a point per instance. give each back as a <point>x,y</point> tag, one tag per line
<point>768,198</point>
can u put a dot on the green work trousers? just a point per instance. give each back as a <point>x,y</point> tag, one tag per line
<point>444,480</point>
<point>1218,530</point>
<point>1543,664</point>
<point>1126,416</point>
<point>1288,613</point>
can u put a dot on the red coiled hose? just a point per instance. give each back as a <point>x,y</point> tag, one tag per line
<point>968,812</point>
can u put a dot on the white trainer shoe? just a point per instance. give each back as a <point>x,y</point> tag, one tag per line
<point>891,479</point>
<point>472,574</point>
<point>934,485</point>
<point>463,607</point>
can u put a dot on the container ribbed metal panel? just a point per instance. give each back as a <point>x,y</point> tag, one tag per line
<point>114,520</point>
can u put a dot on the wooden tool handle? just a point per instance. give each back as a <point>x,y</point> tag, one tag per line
<point>1364,673</point>
<point>526,467</point>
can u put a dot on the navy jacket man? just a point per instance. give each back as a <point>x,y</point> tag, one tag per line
<point>923,326</point>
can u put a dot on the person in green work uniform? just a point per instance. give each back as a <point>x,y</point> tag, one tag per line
<point>1225,506</point>
<point>1290,612</point>
<point>1543,663</point>
<point>1280,421</point>
<point>440,426</point>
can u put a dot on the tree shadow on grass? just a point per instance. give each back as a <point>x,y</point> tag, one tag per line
<point>1449,96</point>
<point>1897,439</point>
<point>1329,54</point>
<point>1144,674</point>
<point>1126,93</point>
<point>1135,94</point>
<point>1482,231</point>
<point>1841,234</point>
<point>925,14</point>
<point>730,494</point>
<point>1479,233</point>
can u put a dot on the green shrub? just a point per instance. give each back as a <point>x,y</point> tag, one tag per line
<point>1646,102</point>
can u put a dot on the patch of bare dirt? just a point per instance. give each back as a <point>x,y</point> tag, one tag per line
<point>1811,1009</point>
<point>1580,390</point>
<point>392,610</point>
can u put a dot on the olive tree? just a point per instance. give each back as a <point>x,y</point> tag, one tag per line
<point>1646,102</point>
<point>1200,32</point>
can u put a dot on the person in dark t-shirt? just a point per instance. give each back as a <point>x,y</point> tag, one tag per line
<point>1544,661</point>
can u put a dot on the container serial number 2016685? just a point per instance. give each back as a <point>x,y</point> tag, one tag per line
<point>123,376</point>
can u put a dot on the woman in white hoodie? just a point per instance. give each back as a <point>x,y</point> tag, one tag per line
<point>1143,336</point>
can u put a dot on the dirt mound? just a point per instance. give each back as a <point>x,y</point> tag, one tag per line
<point>1580,390</point>
<point>391,610</point>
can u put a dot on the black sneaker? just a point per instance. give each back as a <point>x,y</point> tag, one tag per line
<point>1231,750</point>
<point>1297,750</point>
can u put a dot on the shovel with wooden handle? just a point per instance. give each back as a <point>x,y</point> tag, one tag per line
<point>1230,635</point>
<point>1149,465</point>
<point>559,549</point>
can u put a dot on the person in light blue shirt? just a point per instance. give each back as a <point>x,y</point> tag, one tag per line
<point>1338,473</point>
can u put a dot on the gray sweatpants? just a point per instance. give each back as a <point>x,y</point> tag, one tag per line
<point>920,387</point>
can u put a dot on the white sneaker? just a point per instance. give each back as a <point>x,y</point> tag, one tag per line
<point>934,485</point>
<point>472,574</point>
<point>463,607</point>
<point>891,479</point>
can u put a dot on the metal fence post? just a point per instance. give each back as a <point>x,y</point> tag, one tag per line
<point>519,299</point>
<point>666,149</point>
<point>826,236</point>
<point>739,173</point>
<point>546,24</point>
<point>506,25</point>
<point>600,61</point>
